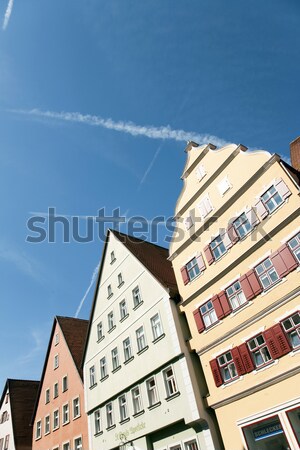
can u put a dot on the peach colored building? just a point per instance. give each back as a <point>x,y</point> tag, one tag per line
<point>59,419</point>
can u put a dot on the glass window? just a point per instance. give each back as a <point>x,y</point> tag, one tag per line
<point>242,225</point>
<point>115,358</point>
<point>47,424</point>
<point>259,350</point>
<point>271,199</point>
<point>267,274</point>
<point>120,279</point>
<point>127,349</point>
<point>55,419</point>
<point>218,247</point>
<point>110,320</point>
<point>156,326</point>
<point>294,245</point>
<point>291,326</point>
<point>100,331</point>
<point>170,382</point>
<point>152,391</point>
<point>123,407</point>
<point>265,435</point>
<point>112,257</point>
<point>103,367</point>
<point>136,297</point>
<point>92,376</point>
<point>55,390</point>
<point>227,366</point>
<point>109,415</point>
<point>65,383</point>
<point>192,269</point>
<point>56,361</point>
<point>66,446</point>
<point>294,418</point>
<point>236,295</point>
<point>97,421</point>
<point>140,338</point>
<point>38,433</point>
<point>47,396</point>
<point>109,291</point>
<point>65,413</point>
<point>208,314</point>
<point>76,408</point>
<point>6,442</point>
<point>191,445</point>
<point>78,443</point>
<point>136,400</point>
<point>123,309</point>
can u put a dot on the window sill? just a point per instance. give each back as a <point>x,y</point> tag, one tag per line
<point>46,434</point>
<point>128,360</point>
<point>212,326</point>
<point>101,339</point>
<point>38,438</point>
<point>116,369</point>
<point>295,351</point>
<point>298,269</point>
<point>143,350</point>
<point>229,383</point>
<point>77,417</point>
<point>111,427</point>
<point>65,423</point>
<point>138,305</point>
<point>93,386</point>
<point>119,286</point>
<point>196,278</point>
<point>266,291</point>
<point>241,308</point>
<point>270,214</point>
<point>159,338</point>
<point>176,394</point>
<point>55,429</point>
<point>110,296</point>
<point>124,420</point>
<point>98,434</point>
<point>265,367</point>
<point>112,329</point>
<point>138,413</point>
<point>113,260</point>
<point>124,318</point>
<point>155,405</point>
<point>104,378</point>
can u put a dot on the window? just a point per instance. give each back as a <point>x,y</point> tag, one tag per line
<point>109,291</point>
<point>123,407</point>
<point>6,442</point>
<point>224,186</point>
<point>140,338</point>
<point>200,172</point>
<point>267,274</point>
<point>266,434</point>
<point>191,445</point>
<point>56,361</point>
<point>170,382</point>
<point>97,421</point>
<point>110,321</point>
<point>242,225</point>
<point>136,297</point>
<point>65,383</point>
<point>65,413</point>
<point>218,247</point>
<point>109,415</point>
<point>112,257</point>
<point>66,446</point>
<point>152,391</point>
<point>115,358</point>
<point>188,222</point>
<point>294,245</point>
<point>78,443</point>
<point>1,443</point>
<point>236,295</point>
<point>4,417</point>
<point>56,339</point>
<point>123,309</point>
<point>76,408</point>
<point>47,424</point>
<point>55,390</point>
<point>100,334</point>
<point>205,207</point>
<point>55,419</point>
<point>208,314</point>
<point>193,269</point>
<point>120,280</point>
<point>291,326</point>
<point>127,349</point>
<point>47,396</point>
<point>156,326</point>
<point>136,400</point>
<point>259,351</point>
<point>271,199</point>
<point>38,431</point>
<point>103,368</point>
<point>92,376</point>
<point>227,366</point>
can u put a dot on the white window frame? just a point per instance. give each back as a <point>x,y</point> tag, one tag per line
<point>170,382</point>
<point>123,407</point>
<point>38,429</point>
<point>115,361</point>
<point>110,320</point>
<point>266,274</point>
<point>240,224</point>
<point>56,339</point>
<point>97,421</point>
<point>141,338</point>
<point>156,325</point>
<point>218,247</point>
<point>64,383</point>
<point>103,368</point>
<point>66,445</point>
<point>123,309</point>
<point>78,447</point>
<point>271,196</point>
<point>152,392</point>
<point>112,257</point>
<point>55,419</point>
<point>137,298</point>
<point>92,376</point>
<point>127,349</point>
<point>109,415</point>
<point>55,390</point>
<point>208,314</point>
<point>76,406</point>
<point>236,298</point>
<point>65,411</point>
<point>100,333</point>
<point>294,328</point>
<point>56,361</point>
<point>296,250</point>
<point>47,425</point>
<point>120,279</point>
<point>47,396</point>
<point>136,400</point>
<point>109,291</point>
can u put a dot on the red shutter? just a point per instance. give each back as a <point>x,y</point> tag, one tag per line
<point>246,358</point>
<point>282,189</point>
<point>199,320</point>
<point>288,257</point>
<point>238,361</point>
<point>185,275</point>
<point>250,284</point>
<point>208,255</point>
<point>281,339</point>
<point>261,209</point>
<point>277,341</point>
<point>279,264</point>
<point>216,372</point>
<point>232,234</point>
<point>201,263</point>
<point>225,303</point>
<point>272,343</point>
<point>218,308</point>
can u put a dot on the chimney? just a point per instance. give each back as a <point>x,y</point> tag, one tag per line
<point>295,153</point>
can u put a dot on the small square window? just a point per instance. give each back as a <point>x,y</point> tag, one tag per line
<point>271,199</point>
<point>192,268</point>
<point>236,295</point>
<point>291,326</point>
<point>218,247</point>
<point>242,225</point>
<point>259,351</point>
<point>227,367</point>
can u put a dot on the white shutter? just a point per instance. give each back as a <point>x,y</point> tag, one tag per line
<point>252,217</point>
<point>282,188</point>
<point>200,172</point>
<point>224,186</point>
<point>188,222</point>
<point>226,239</point>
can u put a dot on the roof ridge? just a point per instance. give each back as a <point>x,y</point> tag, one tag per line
<point>116,232</point>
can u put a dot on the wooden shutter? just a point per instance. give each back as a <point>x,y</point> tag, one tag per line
<point>272,343</point>
<point>246,358</point>
<point>226,239</point>
<point>237,359</point>
<point>209,255</point>
<point>216,372</point>
<point>199,320</point>
<point>233,236</point>
<point>288,257</point>
<point>250,284</point>
<point>200,262</point>
<point>261,209</point>
<point>218,308</point>
<point>185,275</point>
<point>279,264</point>
<point>252,217</point>
<point>282,188</point>
<point>277,341</point>
<point>225,303</point>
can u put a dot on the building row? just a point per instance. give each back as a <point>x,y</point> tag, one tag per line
<point>195,347</point>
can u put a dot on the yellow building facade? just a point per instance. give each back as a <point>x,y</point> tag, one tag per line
<point>236,256</point>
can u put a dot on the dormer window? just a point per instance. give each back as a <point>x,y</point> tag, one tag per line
<point>112,257</point>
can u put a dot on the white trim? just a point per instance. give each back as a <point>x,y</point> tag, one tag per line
<point>287,314</point>
<point>229,283</point>
<point>224,385</point>
<point>295,352</point>
<point>187,260</point>
<point>259,260</point>
<point>254,333</point>
<point>222,350</point>
<point>213,326</point>
<point>282,280</point>
<point>271,364</point>
<point>241,308</point>
<point>269,412</point>
<point>290,236</point>
<point>204,301</point>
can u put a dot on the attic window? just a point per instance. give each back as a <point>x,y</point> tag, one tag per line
<point>6,398</point>
<point>224,186</point>
<point>56,361</point>
<point>56,339</point>
<point>200,172</point>
<point>112,257</point>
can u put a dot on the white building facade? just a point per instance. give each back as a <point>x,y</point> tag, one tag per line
<point>142,387</point>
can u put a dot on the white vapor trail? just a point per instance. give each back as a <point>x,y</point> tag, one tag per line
<point>164,132</point>
<point>7,14</point>
<point>93,279</point>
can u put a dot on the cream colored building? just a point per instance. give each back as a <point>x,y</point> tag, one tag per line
<point>143,389</point>
<point>236,254</point>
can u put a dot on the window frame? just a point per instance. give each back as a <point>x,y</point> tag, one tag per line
<point>47,425</point>
<point>193,270</point>
<point>265,274</point>
<point>109,291</point>
<point>137,298</point>
<point>64,383</point>
<point>76,406</point>
<point>110,422</point>
<point>56,419</point>
<point>155,326</point>
<point>97,422</point>
<point>210,313</point>
<point>115,360</point>
<point>170,382</point>
<point>295,251</point>
<point>241,226</point>
<point>266,201</point>
<point>38,430</point>
<point>136,400</point>
<point>141,339</point>
<point>227,365</point>
<point>259,349</point>
<point>127,348</point>
<point>123,408</point>
<point>294,328</point>
<point>215,245</point>
<point>56,361</point>
<point>76,446</point>
<point>111,321</point>
<point>150,390</point>
<point>65,411</point>
<point>92,376</point>
<point>100,331</point>
<point>103,368</point>
<point>47,396</point>
<point>123,309</point>
<point>234,297</point>
<point>55,390</point>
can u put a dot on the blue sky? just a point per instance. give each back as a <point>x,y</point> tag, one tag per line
<point>229,70</point>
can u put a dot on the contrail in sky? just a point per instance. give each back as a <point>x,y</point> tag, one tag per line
<point>7,14</point>
<point>164,132</point>
<point>93,279</point>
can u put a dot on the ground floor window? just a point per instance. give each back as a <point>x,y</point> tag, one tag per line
<point>266,434</point>
<point>294,418</point>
